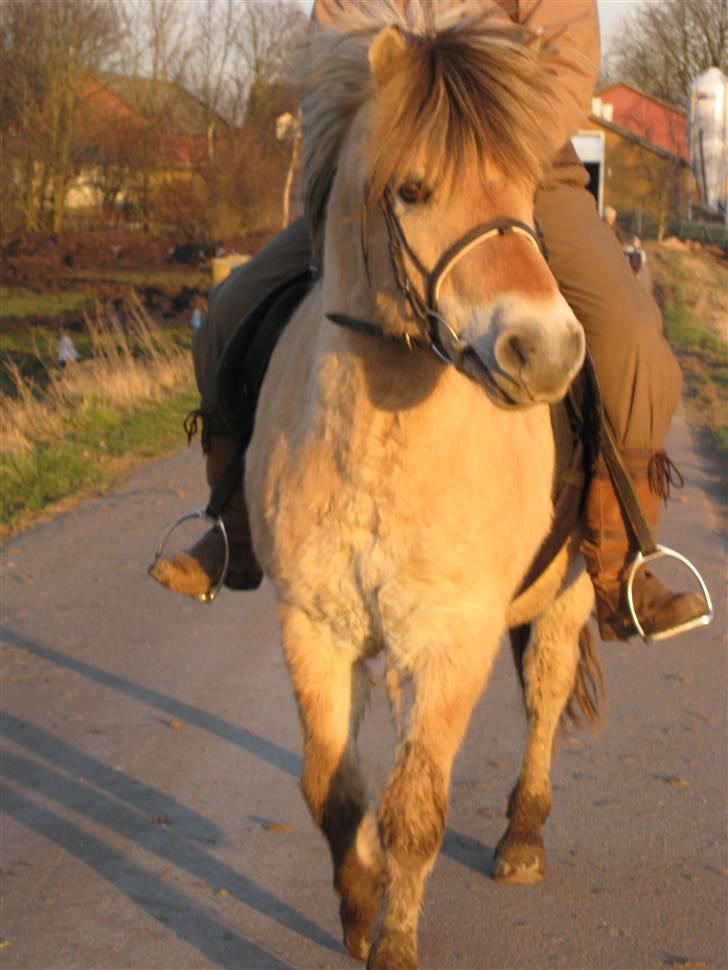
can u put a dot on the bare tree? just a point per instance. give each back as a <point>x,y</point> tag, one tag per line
<point>155,51</point>
<point>665,44</point>
<point>288,129</point>
<point>270,34</point>
<point>238,69</point>
<point>46,52</point>
<point>214,75</point>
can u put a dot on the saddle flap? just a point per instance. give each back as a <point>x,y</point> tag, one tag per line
<point>245,358</point>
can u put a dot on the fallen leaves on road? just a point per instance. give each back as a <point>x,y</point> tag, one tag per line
<point>279,827</point>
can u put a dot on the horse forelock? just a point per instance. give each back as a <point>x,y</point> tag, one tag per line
<point>470,86</point>
<point>471,92</point>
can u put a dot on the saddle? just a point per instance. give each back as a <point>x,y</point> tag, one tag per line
<point>576,421</point>
<point>246,355</point>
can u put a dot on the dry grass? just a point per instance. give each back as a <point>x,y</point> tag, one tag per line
<point>130,365</point>
<point>691,284</point>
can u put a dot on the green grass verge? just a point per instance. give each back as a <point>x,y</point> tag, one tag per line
<point>703,355</point>
<point>20,303</point>
<point>167,280</point>
<point>100,446</point>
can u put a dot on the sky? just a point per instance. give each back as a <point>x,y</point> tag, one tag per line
<point>611,15</point>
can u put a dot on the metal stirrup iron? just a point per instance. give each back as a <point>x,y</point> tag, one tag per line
<point>221,493</point>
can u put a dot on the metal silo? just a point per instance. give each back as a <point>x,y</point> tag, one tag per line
<point>709,138</point>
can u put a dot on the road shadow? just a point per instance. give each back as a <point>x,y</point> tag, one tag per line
<point>136,824</point>
<point>469,852</point>
<point>174,910</point>
<point>460,848</point>
<point>267,751</point>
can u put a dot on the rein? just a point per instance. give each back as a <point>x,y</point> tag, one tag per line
<point>425,308</point>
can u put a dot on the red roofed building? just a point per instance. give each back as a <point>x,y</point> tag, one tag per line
<point>145,141</point>
<point>648,118</point>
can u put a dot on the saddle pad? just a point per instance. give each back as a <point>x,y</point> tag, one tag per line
<point>246,356</point>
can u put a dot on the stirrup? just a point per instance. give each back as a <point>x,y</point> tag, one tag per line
<point>662,552</point>
<point>216,522</point>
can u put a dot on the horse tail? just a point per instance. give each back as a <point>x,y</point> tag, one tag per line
<point>588,699</point>
<point>519,637</point>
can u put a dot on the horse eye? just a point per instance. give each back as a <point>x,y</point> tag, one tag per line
<point>413,192</point>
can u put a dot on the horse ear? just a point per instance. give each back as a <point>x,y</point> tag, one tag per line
<point>384,52</point>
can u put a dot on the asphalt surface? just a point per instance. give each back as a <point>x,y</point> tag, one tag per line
<point>150,754</point>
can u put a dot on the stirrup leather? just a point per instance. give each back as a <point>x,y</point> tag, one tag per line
<point>662,552</point>
<point>210,595</point>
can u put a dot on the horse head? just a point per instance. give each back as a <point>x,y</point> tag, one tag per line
<point>424,142</point>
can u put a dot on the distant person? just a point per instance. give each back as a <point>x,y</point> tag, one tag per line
<point>67,353</point>
<point>636,255</point>
<point>610,217</point>
<point>198,313</point>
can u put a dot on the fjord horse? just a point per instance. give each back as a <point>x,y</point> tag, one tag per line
<point>400,473</point>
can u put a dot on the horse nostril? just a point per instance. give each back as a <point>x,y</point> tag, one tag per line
<point>577,341</point>
<point>520,348</point>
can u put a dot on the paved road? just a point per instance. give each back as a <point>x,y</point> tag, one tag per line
<point>150,755</point>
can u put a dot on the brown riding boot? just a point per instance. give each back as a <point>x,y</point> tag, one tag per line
<point>609,552</point>
<point>196,570</point>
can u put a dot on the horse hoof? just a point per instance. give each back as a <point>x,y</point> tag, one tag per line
<point>395,951</point>
<point>520,865</point>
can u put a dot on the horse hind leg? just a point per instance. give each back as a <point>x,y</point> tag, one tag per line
<point>559,673</point>
<point>331,689</point>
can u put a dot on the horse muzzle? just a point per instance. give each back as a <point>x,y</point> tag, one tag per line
<point>523,364</point>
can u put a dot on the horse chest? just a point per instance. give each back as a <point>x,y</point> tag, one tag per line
<point>390,529</point>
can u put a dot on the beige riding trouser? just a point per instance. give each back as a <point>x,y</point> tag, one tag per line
<point>639,377</point>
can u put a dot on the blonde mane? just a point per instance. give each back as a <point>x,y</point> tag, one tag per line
<point>470,84</point>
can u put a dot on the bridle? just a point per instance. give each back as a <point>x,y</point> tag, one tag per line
<point>436,334</point>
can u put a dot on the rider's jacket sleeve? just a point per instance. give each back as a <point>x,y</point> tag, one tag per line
<point>571,55</point>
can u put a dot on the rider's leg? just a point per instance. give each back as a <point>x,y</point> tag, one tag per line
<point>640,385</point>
<point>193,572</point>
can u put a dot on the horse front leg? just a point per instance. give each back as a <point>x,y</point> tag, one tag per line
<point>555,665</point>
<point>414,801</point>
<point>331,688</point>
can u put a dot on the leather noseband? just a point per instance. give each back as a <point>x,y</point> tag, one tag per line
<point>425,308</point>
